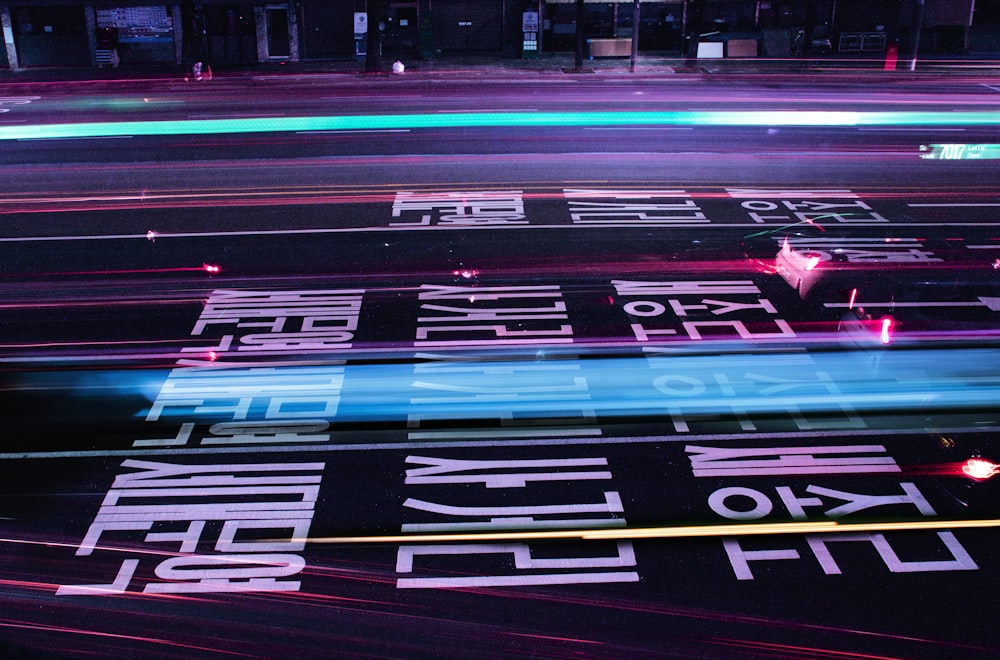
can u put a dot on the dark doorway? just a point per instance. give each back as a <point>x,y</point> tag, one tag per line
<point>277,33</point>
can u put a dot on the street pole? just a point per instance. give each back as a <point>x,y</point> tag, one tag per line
<point>579,35</point>
<point>425,30</point>
<point>918,23</point>
<point>8,38</point>
<point>373,56</point>
<point>541,21</point>
<point>635,36</point>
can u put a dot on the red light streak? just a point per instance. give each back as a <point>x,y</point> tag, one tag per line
<point>120,342</point>
<point>557,639</point>
<point>207,268</point>
<point>886,328</point>
<point>980,469</point>
<point>790,650</point>
<point>285,195</point>
<point>97,633</point>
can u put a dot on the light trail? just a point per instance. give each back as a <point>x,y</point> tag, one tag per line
<point>172,199</point>
<point>666,532</point>
<point>920,380</point>
<point>660,532</point>
<point>495,119</point>
<point>436,228</point>
<point>86,632</point>
<point>238,195</point>
<point>211,269</point>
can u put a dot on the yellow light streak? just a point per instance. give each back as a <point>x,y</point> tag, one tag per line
<point>666,532</point>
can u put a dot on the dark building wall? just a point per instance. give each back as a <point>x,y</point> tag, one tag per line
<point>468,25</point>
<point>50,35</point>
<point>722,15</point>
<point>230,33</point>
<point>426,27</point>
<point>660,23</point>
<point>947,12</point>
<point>327,29</point>
<point>865,16</point>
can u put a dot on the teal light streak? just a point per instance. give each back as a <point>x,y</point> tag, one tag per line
<point>482,119</point>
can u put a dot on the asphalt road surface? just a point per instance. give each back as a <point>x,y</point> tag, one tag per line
<point>426,368</point>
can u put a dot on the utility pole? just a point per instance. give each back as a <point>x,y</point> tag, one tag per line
<point>918,24</point>
<point>579,34</point>
<point>373,56</point>
<point>635,36</point>
<point>8,37</point>
<point>426,30</point>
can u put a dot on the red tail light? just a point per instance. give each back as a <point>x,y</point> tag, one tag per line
<point>886,330</point>
<point>979,469</point>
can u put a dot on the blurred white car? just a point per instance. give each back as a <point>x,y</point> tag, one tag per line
<point>799,268</point>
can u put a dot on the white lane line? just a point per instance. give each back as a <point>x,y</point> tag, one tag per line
<point>361,230</point>
<point>369,130</point>
<point>63,139</point>
<point>458,444</point>
<point>370,97</point>
<point>638,128</point>
<point>236,115</point>
<point>963,204</point>
<point>536,433</point>
<point>894,304</point>
<point>925,129</point>
<point>995,88</point>
<point>486,110</point>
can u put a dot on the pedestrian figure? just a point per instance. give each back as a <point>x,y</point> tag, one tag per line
<point>199,72</point>
<point>195,73</point>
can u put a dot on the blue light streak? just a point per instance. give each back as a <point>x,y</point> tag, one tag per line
<point>838,382</point>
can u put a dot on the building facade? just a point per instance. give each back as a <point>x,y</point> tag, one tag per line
<point>230,34</point>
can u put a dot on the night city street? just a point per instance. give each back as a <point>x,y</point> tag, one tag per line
<point>494,363</point>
